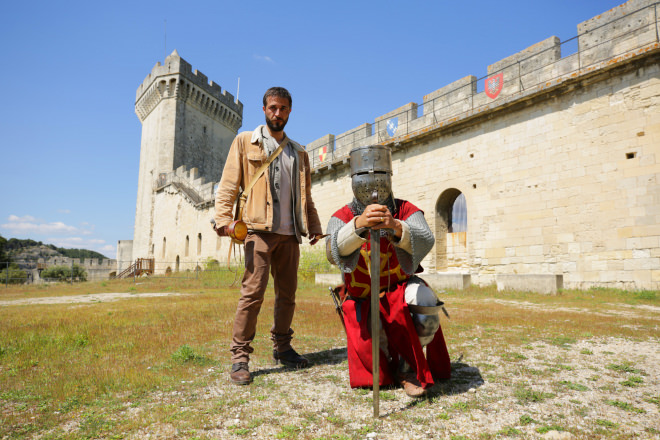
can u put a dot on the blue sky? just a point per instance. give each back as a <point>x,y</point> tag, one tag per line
<point>69,136</point>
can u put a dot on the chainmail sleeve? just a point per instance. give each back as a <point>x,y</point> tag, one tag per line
<point>348,263</point>
<point>422,240</point>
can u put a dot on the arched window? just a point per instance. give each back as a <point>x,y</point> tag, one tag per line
<point>187,245</point>
<point>450,228</point>
<point>164,246</point>
<point>199,244</point>
<point>459,215</point>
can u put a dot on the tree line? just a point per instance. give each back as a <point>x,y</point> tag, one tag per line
<point>11,272</point>
<point>14,245</point>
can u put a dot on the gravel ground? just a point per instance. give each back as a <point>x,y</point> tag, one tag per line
<point>576,389</point>
<point>586,389</point>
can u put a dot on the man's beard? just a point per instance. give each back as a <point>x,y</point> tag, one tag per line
<point>276,125</point>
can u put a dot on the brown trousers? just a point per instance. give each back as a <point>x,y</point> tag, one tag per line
<point>264,253</point>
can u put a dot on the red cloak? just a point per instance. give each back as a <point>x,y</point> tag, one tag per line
<point>402,339</point>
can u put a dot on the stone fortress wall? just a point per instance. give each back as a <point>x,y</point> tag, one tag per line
<point>96,268</point>
<point>558,158</point>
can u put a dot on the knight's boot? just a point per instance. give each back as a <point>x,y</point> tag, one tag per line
<point>408,379</point>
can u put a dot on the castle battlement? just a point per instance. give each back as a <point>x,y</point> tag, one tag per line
<point>86,263</point>
<point>177,79</point>
<point>603,42</point>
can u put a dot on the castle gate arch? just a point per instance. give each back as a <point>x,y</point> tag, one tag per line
<point>450,229</point>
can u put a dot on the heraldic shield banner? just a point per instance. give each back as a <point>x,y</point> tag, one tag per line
<point>392,126</point>
<point>323,153</point>
<point>493,85</point>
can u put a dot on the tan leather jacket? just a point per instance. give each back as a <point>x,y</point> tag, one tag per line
<point>243,160</point>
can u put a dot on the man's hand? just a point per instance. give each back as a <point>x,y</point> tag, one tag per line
<point>378,217</point>
<point>314,238</point>
<point>221,231</point>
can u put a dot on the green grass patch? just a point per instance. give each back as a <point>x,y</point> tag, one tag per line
<point>525,394</point>
<point>625,406</point>
<point>573,386</point>
<point>186,353</point>
<point>510,431</point>
<point>547,428</point>
<point>513,357</point>
<point>526,419</point>
<point>633,381</point>
<point>606,423</point>
<point>625,367</point>
<point>562,341</point>
<point>289,432</point>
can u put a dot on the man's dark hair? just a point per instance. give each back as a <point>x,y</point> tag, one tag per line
<point>279,92</point>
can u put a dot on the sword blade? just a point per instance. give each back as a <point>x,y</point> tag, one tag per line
<point>375,318</point>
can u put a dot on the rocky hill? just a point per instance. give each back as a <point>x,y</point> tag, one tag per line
<point>30,250</point>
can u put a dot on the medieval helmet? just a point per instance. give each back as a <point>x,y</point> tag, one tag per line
<point>371,173</point>
<point>424,307</point>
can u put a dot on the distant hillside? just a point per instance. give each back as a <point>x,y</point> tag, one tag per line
<point>31,250</point>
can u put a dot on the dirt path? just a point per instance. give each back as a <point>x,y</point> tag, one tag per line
<point>90,298</point>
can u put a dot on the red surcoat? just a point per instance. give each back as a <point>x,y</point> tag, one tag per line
<point>402,338</point>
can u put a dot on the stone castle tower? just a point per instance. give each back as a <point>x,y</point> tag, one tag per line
<point>188,124</point>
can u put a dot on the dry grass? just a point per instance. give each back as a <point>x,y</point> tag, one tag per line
<point>158,365</point>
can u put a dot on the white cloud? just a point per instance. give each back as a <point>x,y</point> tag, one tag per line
<point>64,211</point>
<point>17,219</point>
<point>264,58</point>
<point>30,225</point>
<point>38,228</point>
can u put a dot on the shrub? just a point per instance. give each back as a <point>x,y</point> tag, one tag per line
<point>63,273</point>
<point>313,259</point>
<point>13,275</point>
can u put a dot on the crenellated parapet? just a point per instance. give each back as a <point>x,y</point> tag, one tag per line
<point>86,263</point>
<point>610,40</point>
<point>175,79</point>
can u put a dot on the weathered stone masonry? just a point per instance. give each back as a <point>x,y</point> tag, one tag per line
<point>560,170</point>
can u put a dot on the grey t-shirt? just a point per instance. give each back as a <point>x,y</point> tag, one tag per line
<point>280,173</point>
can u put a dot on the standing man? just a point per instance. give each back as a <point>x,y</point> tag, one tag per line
<point>278,211</point>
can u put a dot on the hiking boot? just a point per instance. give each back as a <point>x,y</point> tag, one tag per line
<point>240,374</point>
<point>290,359</point>
<point>411,385</point>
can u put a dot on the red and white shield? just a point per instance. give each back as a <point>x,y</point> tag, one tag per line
<point>494,85</point>
<point>323,152</point>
